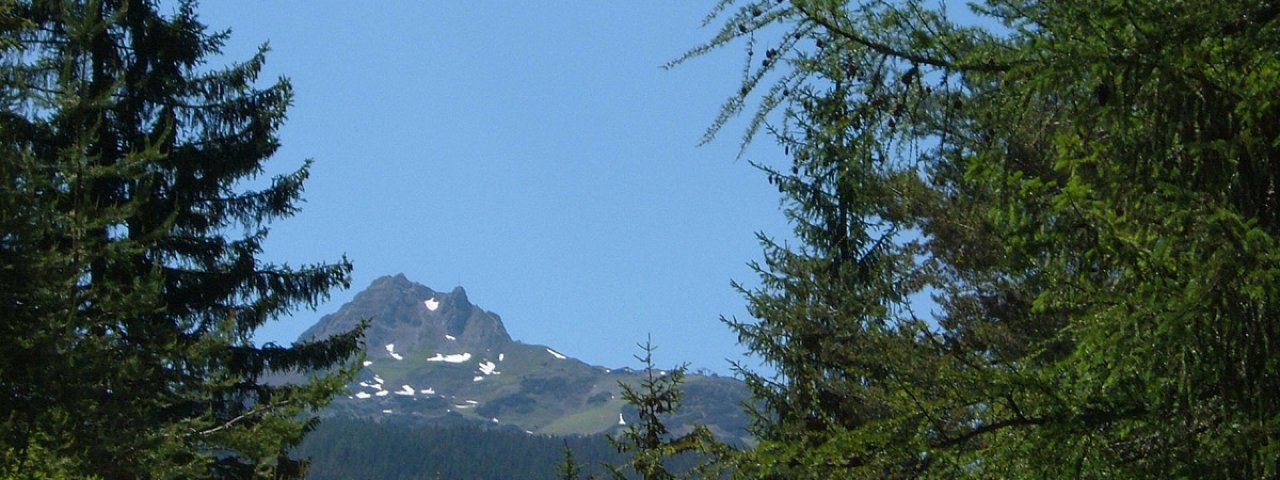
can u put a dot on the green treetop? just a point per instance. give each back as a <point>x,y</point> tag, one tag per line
<point>649,441</point>
<point>129,263</point>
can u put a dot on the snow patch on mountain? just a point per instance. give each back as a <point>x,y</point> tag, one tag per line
<point>621,421</point>
<point>556,354</point>
<point>455,358</point>
<point>368,362</point>
<point>391,350</point>
<point>450,337</point>
<point>383,393</point>
<point>488,368</point>
<point>362,395</point>
<point>405,390</point>
<point>432,304</point>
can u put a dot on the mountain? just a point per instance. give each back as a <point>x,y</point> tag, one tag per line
<point>436,358</point>
<point>414,317</point>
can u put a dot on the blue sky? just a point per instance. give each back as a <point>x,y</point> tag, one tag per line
<point>534,153</point>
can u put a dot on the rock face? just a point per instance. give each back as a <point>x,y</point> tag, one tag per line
<point>412,317</point>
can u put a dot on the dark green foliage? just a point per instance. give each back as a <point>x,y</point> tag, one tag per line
<point>570,469</point>
<point>349,448</point>
<point>546,384</point>
<point>601,397</point>
<point>518,403</point>
<point>128,256</point>
<point>1086,189</point>
<point>648,441</point>
<point>344,448</point>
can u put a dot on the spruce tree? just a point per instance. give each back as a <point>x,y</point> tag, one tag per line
<point>648,439</point>
<point>130,251</point>
<point>570,469</point>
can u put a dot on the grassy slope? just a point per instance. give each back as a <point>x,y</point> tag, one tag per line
<point>534,391</point>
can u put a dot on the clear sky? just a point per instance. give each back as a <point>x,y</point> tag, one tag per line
<point>534,153</point>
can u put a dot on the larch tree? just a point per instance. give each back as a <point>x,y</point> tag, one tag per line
<point>130,274</point>
<point>1086,189</point>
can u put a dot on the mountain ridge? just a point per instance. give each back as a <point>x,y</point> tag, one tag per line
<point>436,358</point>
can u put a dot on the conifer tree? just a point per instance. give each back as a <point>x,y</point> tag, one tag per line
<point>648,439</point>
<point>569,468</point>
<point>130,249</point>
<point>1085,190</point>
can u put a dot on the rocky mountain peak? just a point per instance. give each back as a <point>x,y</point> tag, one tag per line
<point>459,294</point>
<point>413,317</point>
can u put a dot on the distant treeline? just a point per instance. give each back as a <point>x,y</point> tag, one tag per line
<point>343,448</point>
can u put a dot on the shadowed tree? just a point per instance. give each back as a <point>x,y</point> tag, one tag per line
<point>134,217</point>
